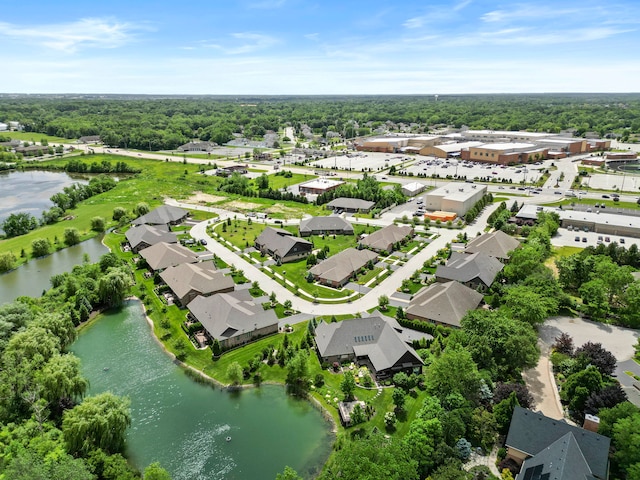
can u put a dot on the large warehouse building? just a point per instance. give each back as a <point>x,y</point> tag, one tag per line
<point>454,197</point>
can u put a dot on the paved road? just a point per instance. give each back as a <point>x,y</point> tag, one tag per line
<point>542,386</point>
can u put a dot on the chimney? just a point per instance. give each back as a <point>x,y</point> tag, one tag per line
<point>591,423</point>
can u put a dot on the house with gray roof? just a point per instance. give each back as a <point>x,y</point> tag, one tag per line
<point>233,318</point>
<point>144,236</point>
<point>367,341</point>
<point>164,255</point>
<point>443,303</point>
<point>189,280</point>
<point>386,238</point>
<point>282,245</point>
<point>163,215</point>
<point>336,271</point>
<point>198,146</point>
<point>333,225</point>
<point>475,270</point>
<point>495,244</point>
<point>354,205</point>
<point>550,449</point>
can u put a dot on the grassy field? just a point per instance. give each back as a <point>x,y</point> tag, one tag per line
<point>36,137</point>
<point>280,181</point>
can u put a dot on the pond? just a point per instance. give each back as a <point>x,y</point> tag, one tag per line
<point>184,424</point>
<point>32,278</point>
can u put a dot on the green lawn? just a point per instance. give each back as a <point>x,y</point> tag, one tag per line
<point>36,137</point>
<point>279,181</point>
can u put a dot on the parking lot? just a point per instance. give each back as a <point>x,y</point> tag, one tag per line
<point>567,238</point>
<point>360,161</point>
<point>603,181</point>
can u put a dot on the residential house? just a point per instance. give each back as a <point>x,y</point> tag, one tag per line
<point>353,205</point>
<point>143,236</point>
<point>333,225</point>
<point>163,215</point>
<point>188,280</point>
<point>282,245</point>
<point>443,303</point>
<point>233,318</point>
<point>495,244</point>
<point>475,270</point>
<point>336,271</point>
<point>386,238</point>
<point>164,255</point>
<point>553,449</point>
<point>367,341</point>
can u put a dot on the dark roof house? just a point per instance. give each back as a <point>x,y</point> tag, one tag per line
<point>385,238</point>
<point>495,244</point>
<point>351,204</point>
<point>282,245</point>
<point>476,270</point>
<point>163,215</point>
<point>550,449</point>
<point>189,280</point>
<point>443,303</point>
<point>338,269</point>
<point>163,255</point>
<point>144,236</point>
<point>369,341</point>
<point>233,318</point>
<point>325,225</point>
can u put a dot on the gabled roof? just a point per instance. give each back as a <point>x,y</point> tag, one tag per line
<point>532,432</point>
<point>444,303</point>
<point>562,460</point>
<point>315,224</point>
<point>163,255</point>
<point>279,241</point>
<point>163,215</point>
<point>467,267</point>
<point>150,235</point>
<point>351,203</point>
<point>495,244</point>
<point>371,337</point>
<point>225,315</point>
<point>381,239</point>
<point>199,277</point>
<point>343,264</point>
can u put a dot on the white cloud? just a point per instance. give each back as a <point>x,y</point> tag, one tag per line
<point>69,37</point>
<point>247,43</point>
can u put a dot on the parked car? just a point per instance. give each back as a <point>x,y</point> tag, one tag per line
<point>577,239</point>
<point>584,239</point>
<point>607,239</point>
<point>203,241</point>
<point>622,240</point>
<point>605,196</point>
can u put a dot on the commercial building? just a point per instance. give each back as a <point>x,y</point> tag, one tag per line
<point>318,186</point>
<point>505,153</point>
<point>413,188</point>
<point>448,150</point>
<point>455,197</point>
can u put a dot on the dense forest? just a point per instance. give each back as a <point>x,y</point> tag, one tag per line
<point>165,123</point>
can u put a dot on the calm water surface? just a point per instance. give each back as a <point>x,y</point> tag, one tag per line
<point>32,278</point>
<point>184,425</point>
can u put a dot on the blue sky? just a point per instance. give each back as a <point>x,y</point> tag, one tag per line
<point>311,47</point>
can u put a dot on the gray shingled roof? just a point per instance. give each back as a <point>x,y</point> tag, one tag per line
<point>163,255</point>
<point>163,215</point>
<point>496,244</point>
<point>532,432</point>
<point>562,460</point>
<point>279,240</point>
<point>342,265</point>
<point>226,315</point>
<point>465,267</point>
<point>351,203</point>
<point>150,235</point>
<point>381,239</point>
<point>371,337</point>
<point>444,302</point>
<point>315,224</point>
<point>199,277</point>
